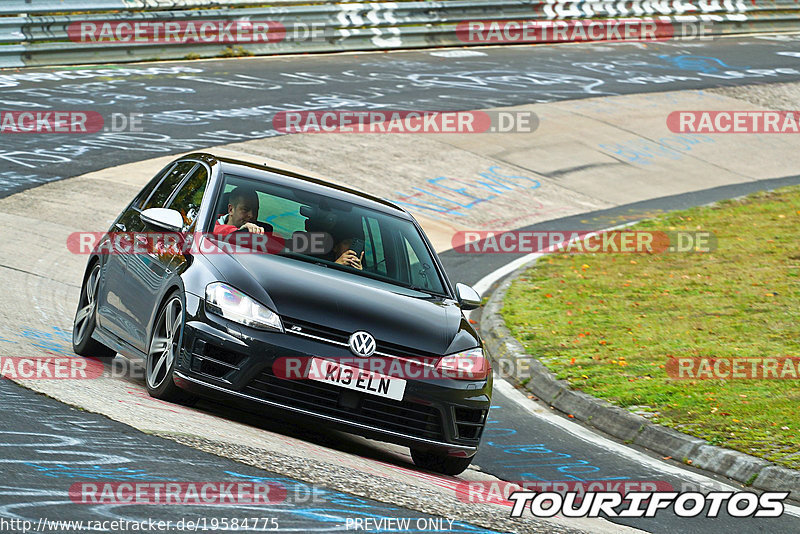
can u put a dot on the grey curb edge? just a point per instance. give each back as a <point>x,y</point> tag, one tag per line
<point>618,422</point>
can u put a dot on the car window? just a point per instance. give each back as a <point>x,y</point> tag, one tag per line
<point>147,190</point>
<point>412,258</point>
<point>282,213</point>
<point>188,198</point>
<point>168,184</point>
<point>222,203</point>
<point>129,219</point>
<point>394,250</point>
<point>374,257</point>
<point>419,271</point>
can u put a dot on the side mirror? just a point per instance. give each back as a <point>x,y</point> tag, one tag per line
<point>467,297</point>
<point>163,219</point>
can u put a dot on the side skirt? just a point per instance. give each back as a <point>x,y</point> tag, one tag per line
<point>110,340</point>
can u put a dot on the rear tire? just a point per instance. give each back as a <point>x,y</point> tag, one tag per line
<point>85,320</point>
<point>440,462</point>
<point>165,343</point>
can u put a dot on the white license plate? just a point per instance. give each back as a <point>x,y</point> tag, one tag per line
<point>332,372</point>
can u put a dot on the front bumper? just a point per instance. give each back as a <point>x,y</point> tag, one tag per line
<point>225,360</point>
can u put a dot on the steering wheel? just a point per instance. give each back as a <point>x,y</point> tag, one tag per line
<point>264,226</point>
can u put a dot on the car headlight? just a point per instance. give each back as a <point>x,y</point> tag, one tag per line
<point>232,304</point>
<point>466,365</point>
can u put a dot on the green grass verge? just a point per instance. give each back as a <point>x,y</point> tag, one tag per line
<point>607,323</point>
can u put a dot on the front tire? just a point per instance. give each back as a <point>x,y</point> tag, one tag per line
<point>85,320</point>
<point>165,343</point>
<point>439,462</point>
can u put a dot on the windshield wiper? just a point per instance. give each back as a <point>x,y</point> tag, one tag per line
<point>303,257</point>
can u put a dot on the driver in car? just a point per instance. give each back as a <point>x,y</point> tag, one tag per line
<point>242,213</point>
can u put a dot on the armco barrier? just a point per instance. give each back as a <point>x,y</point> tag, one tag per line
<point>35,32</point>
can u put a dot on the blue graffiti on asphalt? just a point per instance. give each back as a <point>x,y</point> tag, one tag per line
<point>56,340</point>
<point>336,497</point>
<point>354,506</point>
<point>4,340</point>
<point>463,194</point>
<point>539,455</point>
<point>93,472</point>
<point>644,151</point>
<point>702,64</point>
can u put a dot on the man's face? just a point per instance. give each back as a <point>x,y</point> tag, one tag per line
<point>245,211</point>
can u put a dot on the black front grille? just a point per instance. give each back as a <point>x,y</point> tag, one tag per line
<point>405,417</point>
<point>340,336</point>
<point>470,423</point>
<point>331,334</point>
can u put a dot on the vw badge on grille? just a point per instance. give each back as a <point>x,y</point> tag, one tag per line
<point>362,344</point>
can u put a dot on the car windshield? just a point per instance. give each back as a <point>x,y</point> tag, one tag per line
<point>330,232</point>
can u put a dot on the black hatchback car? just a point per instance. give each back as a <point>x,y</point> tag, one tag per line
<point>254,284</point>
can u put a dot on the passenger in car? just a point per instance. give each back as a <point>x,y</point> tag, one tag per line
<point>347,256</point>
<point>347,239</point>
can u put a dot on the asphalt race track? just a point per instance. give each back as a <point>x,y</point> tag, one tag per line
<point>197,104</point>
<point>60,445</point>
<point>191,105</point>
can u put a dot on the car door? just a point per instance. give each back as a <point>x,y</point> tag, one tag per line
<point>112,310</point>
<point>132,287</point>
<point>147,273</point>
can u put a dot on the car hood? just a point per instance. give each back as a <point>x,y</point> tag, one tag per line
<point>327,297</point>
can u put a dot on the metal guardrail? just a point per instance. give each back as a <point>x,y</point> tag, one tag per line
<point>48,7</point>
<point>37,32</point>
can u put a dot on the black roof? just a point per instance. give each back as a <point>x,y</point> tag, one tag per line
<point>338,191</point>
